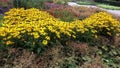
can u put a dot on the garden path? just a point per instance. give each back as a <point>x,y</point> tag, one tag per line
<point>116,12</point>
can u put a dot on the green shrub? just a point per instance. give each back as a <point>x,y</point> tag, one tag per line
<point>29,4</point>
<point>64,15</point>
<point>61,1</point>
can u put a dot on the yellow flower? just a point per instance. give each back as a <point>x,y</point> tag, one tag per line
<point>47,38</point>
<point>21,24</point>
<point>109,33</point>
<point>96,36</point>
<point>36,35</point>
<point>73,36</point>
<point>44,42</point>
<point>93,31</point>
<point>9,42</point>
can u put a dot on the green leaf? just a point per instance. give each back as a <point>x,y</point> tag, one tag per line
<point>105,48</point>
<point>39,51</point>
<point>99,52</point>
<point>71,66</point>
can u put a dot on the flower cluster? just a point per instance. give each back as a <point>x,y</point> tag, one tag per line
<point>34,27</point>
<point>103,23</point>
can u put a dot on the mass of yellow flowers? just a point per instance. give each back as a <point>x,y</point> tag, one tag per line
<point>103,22</point>
<point>35,27</point>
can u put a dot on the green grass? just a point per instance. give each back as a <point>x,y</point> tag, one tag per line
<point>86,3</point>
<point>108,7</point>
<point>101,5</point>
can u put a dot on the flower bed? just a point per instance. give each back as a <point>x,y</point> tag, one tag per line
<point>32,27</point>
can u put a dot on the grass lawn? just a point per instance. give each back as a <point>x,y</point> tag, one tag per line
<point>108,7</point>
<point>86,3</point>
<point>105,6</point>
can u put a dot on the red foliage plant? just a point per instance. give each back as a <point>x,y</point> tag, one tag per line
<point>5,0</point>
<point>78,12</point>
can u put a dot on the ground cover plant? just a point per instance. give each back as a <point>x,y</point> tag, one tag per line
<point>117,17</point>
<point>84,12</point>
<point>68,13</point>
<point>75,54</point>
